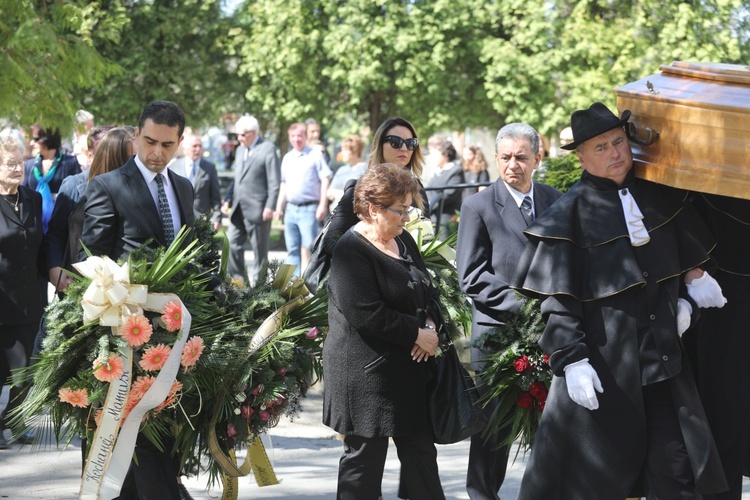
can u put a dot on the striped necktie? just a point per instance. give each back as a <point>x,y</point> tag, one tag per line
<point>527,210</point>
<point>166,214</point>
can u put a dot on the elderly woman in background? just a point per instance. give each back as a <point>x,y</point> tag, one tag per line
<point>381,310</point>
<point>395,142</point>
<point>445,202</point>
<point>352,169</point>
<point>62,241</point>
<point>475,169</point>
<point>46,171</point>
<point>20,264</point>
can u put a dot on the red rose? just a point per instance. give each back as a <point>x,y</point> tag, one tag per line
<point>539,391</point>
<point>522,364</point>
<point>545,358</point>
<point>247,412</point>
<point>525,400</point>
<point>539,403</point>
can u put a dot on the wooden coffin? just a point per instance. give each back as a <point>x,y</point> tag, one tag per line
<point>690,127</point>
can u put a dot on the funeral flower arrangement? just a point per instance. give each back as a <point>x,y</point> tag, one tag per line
<point>518,371</point>
<point>439,257</point>
<point>141,346</point>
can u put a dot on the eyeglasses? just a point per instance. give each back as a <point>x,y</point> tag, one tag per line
<point>402,214</point>
<point>12,166</point>
<point>396,142</point>
<point>36,139</point>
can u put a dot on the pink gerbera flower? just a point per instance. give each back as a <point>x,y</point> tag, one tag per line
<point>110,370</point>
<point>155,357</point>
<point>136,330</point>
<point>172,316</point>
<point>141,386</point>
<point>192,352</point>
<point>75,397</point>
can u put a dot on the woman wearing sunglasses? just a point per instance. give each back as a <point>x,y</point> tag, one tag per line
<point>396,142</point>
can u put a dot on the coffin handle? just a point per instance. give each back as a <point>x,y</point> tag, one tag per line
<point>641,134</point>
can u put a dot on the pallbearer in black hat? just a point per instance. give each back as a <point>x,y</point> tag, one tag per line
<point>617,261</point>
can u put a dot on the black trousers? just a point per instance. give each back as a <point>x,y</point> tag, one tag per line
<point>667,472</point>
<point>361,467</point>
<point>487,465</point>
<point>154,477</point>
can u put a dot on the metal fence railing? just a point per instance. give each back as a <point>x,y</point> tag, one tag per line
<point>438,211</point>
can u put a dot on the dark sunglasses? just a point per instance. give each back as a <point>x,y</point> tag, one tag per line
<point>396,142</point>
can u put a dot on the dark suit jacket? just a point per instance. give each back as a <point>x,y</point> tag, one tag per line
<point>121,215</point>
<point>20,259</point>
<point>490,242</point>
<point>256,182</point>
<point>451,197</point>
<point>206,191</point>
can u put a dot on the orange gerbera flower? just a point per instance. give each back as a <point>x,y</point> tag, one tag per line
<point>155,357</point>
<point>172,316</point>
<point>141,386</point>
<point>110,370</point>
<point>192,352</point>
<point>75,397</point>
<point>136,330</point>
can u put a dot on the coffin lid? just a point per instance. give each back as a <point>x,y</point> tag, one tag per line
<point>691,126</point>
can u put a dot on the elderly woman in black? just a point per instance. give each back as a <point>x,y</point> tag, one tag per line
<point>395,142</point>
<point>20,242</point>
<point>381,313</point>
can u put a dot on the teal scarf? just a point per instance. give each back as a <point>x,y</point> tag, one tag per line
<point>42,187</point>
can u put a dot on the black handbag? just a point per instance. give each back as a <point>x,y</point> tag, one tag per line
<point>452,400</point>
<point>320,262</point>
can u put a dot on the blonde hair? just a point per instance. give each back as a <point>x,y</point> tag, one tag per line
<point>416,163</point>
<point>354,144</point>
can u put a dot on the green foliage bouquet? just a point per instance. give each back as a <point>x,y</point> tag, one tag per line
<point>439,256</point>
<point>240,358</point>
<point>518,372</point>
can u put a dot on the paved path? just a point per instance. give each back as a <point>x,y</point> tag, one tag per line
<point>304,452</point>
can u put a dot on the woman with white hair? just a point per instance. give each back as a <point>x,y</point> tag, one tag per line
<point>21,236</point>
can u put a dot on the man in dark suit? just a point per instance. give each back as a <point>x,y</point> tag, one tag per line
<point>122,206</point>
<point>252,198</point>
<point>202,174</point>
<point>490,242</point>
<point>141,201</point>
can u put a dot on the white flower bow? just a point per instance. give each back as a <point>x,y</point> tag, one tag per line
<point>110,297</point>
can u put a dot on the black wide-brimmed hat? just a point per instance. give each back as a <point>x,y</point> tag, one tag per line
<point>588,123</point>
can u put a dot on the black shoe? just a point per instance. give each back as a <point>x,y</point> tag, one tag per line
<point>184,494</point>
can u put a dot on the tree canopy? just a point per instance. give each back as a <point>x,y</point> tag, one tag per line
<point>443,64</point>
<point>50,59</point>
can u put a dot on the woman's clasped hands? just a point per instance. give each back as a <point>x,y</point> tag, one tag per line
<point>427,342</point>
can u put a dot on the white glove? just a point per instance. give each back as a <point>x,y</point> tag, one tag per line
<point>684,311</point>
<point>706,292</point>
<point>582,380</point>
